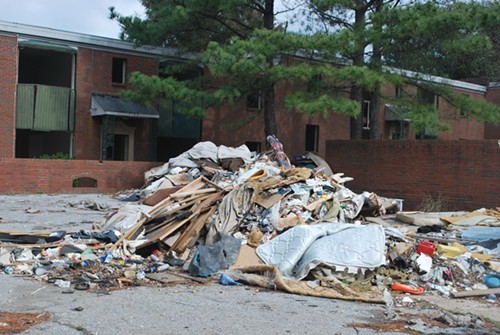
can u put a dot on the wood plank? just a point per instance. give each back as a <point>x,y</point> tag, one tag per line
<point>195,227</point>
<point>155,235</point>
<point>192,231</point>
<point>164,233</point>
<point>198,280</point>
<point>130,231</point>
<point>194,185</point>
<point>159,209</point>
<point>177,195</point>
<point>196,211</point>
<point>182,205</point>
<point>152,228</point>
<point>214,184</point>
<point>475,293</point>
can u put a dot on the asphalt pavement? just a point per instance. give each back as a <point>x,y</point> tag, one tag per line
<point>188,308</point>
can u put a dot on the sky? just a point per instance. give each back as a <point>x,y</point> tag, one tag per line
<point>80,16</point>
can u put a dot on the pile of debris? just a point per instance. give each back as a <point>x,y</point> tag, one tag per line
<point>258,219</point>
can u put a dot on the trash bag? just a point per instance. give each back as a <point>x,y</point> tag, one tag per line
<point>211,258</point>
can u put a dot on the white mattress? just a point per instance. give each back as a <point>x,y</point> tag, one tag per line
<point>304,247</point>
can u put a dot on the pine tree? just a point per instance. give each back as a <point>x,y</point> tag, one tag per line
<point>246,50</point>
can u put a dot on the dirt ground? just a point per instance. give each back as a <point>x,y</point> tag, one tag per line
<point>36,307</point>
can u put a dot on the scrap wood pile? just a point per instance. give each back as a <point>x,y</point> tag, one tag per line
<point>261,220</point>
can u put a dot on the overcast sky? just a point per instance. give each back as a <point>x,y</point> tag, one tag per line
<point>80,16</point>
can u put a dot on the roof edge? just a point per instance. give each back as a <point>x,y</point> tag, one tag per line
<point>438,80</point>
<point>72,37</point>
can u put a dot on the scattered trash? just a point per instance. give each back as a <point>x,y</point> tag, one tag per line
<point>263,220</point>
<point>492,280</point>
<point>491,298</point>
<point>426,247</point>
<point>407,288</point>
<point>62,283</point>
<point>226,280</point>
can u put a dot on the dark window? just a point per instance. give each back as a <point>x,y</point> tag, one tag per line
<point>427,97</point>
<point>119,74</point>
<point>45,67</point>
<point>366,114</point>
<point>254,101</point>
<point>398,92</point>
<point>312,136</point>
<point>253,146</point>
<point>36,144</point>
<point>463,112</point>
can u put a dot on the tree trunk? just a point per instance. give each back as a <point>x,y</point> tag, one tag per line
<point>270,126</point>
<point>376,64</point>
<point>358,60</point>
<point>269,15</point>
<point>375,116</point>
<point>357,121</point>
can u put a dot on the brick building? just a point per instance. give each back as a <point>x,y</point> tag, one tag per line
<point>60,94</point>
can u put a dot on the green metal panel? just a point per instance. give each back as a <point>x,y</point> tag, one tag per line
<point>25,106</point>
<point>71,122</point>
<point>108,137</point>
<point>186,126</point>
<point>165,122</point>
<point>51,108</point>
<point>173,124</point>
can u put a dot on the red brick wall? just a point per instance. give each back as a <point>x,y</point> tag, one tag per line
<point>234,125</point>
<point>93,75</point>
<point>25,176</point>
<point>466,174</point>
<point>8,81</point>
<point>460,127</point>
<point>493,93</point>
<point>492,131</point>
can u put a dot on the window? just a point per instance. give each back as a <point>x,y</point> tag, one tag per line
<point>312,137</point>
<point>119,71</point>
<point>254,101</point>
<point>253,146</point>
<point>398,92</point>
<point>463,112</point>
<point>35,144</point>
<point>366,114</point>
<point>427,97</point>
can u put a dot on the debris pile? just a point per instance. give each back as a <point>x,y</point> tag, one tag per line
<point>262,220</point>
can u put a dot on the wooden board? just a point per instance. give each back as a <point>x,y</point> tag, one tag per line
<point>475,293</point>
<point>194,228</point>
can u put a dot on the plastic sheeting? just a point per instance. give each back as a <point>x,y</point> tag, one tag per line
<point>211,258</point>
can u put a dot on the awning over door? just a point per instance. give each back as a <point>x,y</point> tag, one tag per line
<point>116,106</point>
<point>47,45</point>
<point>395,113</point>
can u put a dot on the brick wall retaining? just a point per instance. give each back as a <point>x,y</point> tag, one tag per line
<point>464,174</point>
<point>25,176</point>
